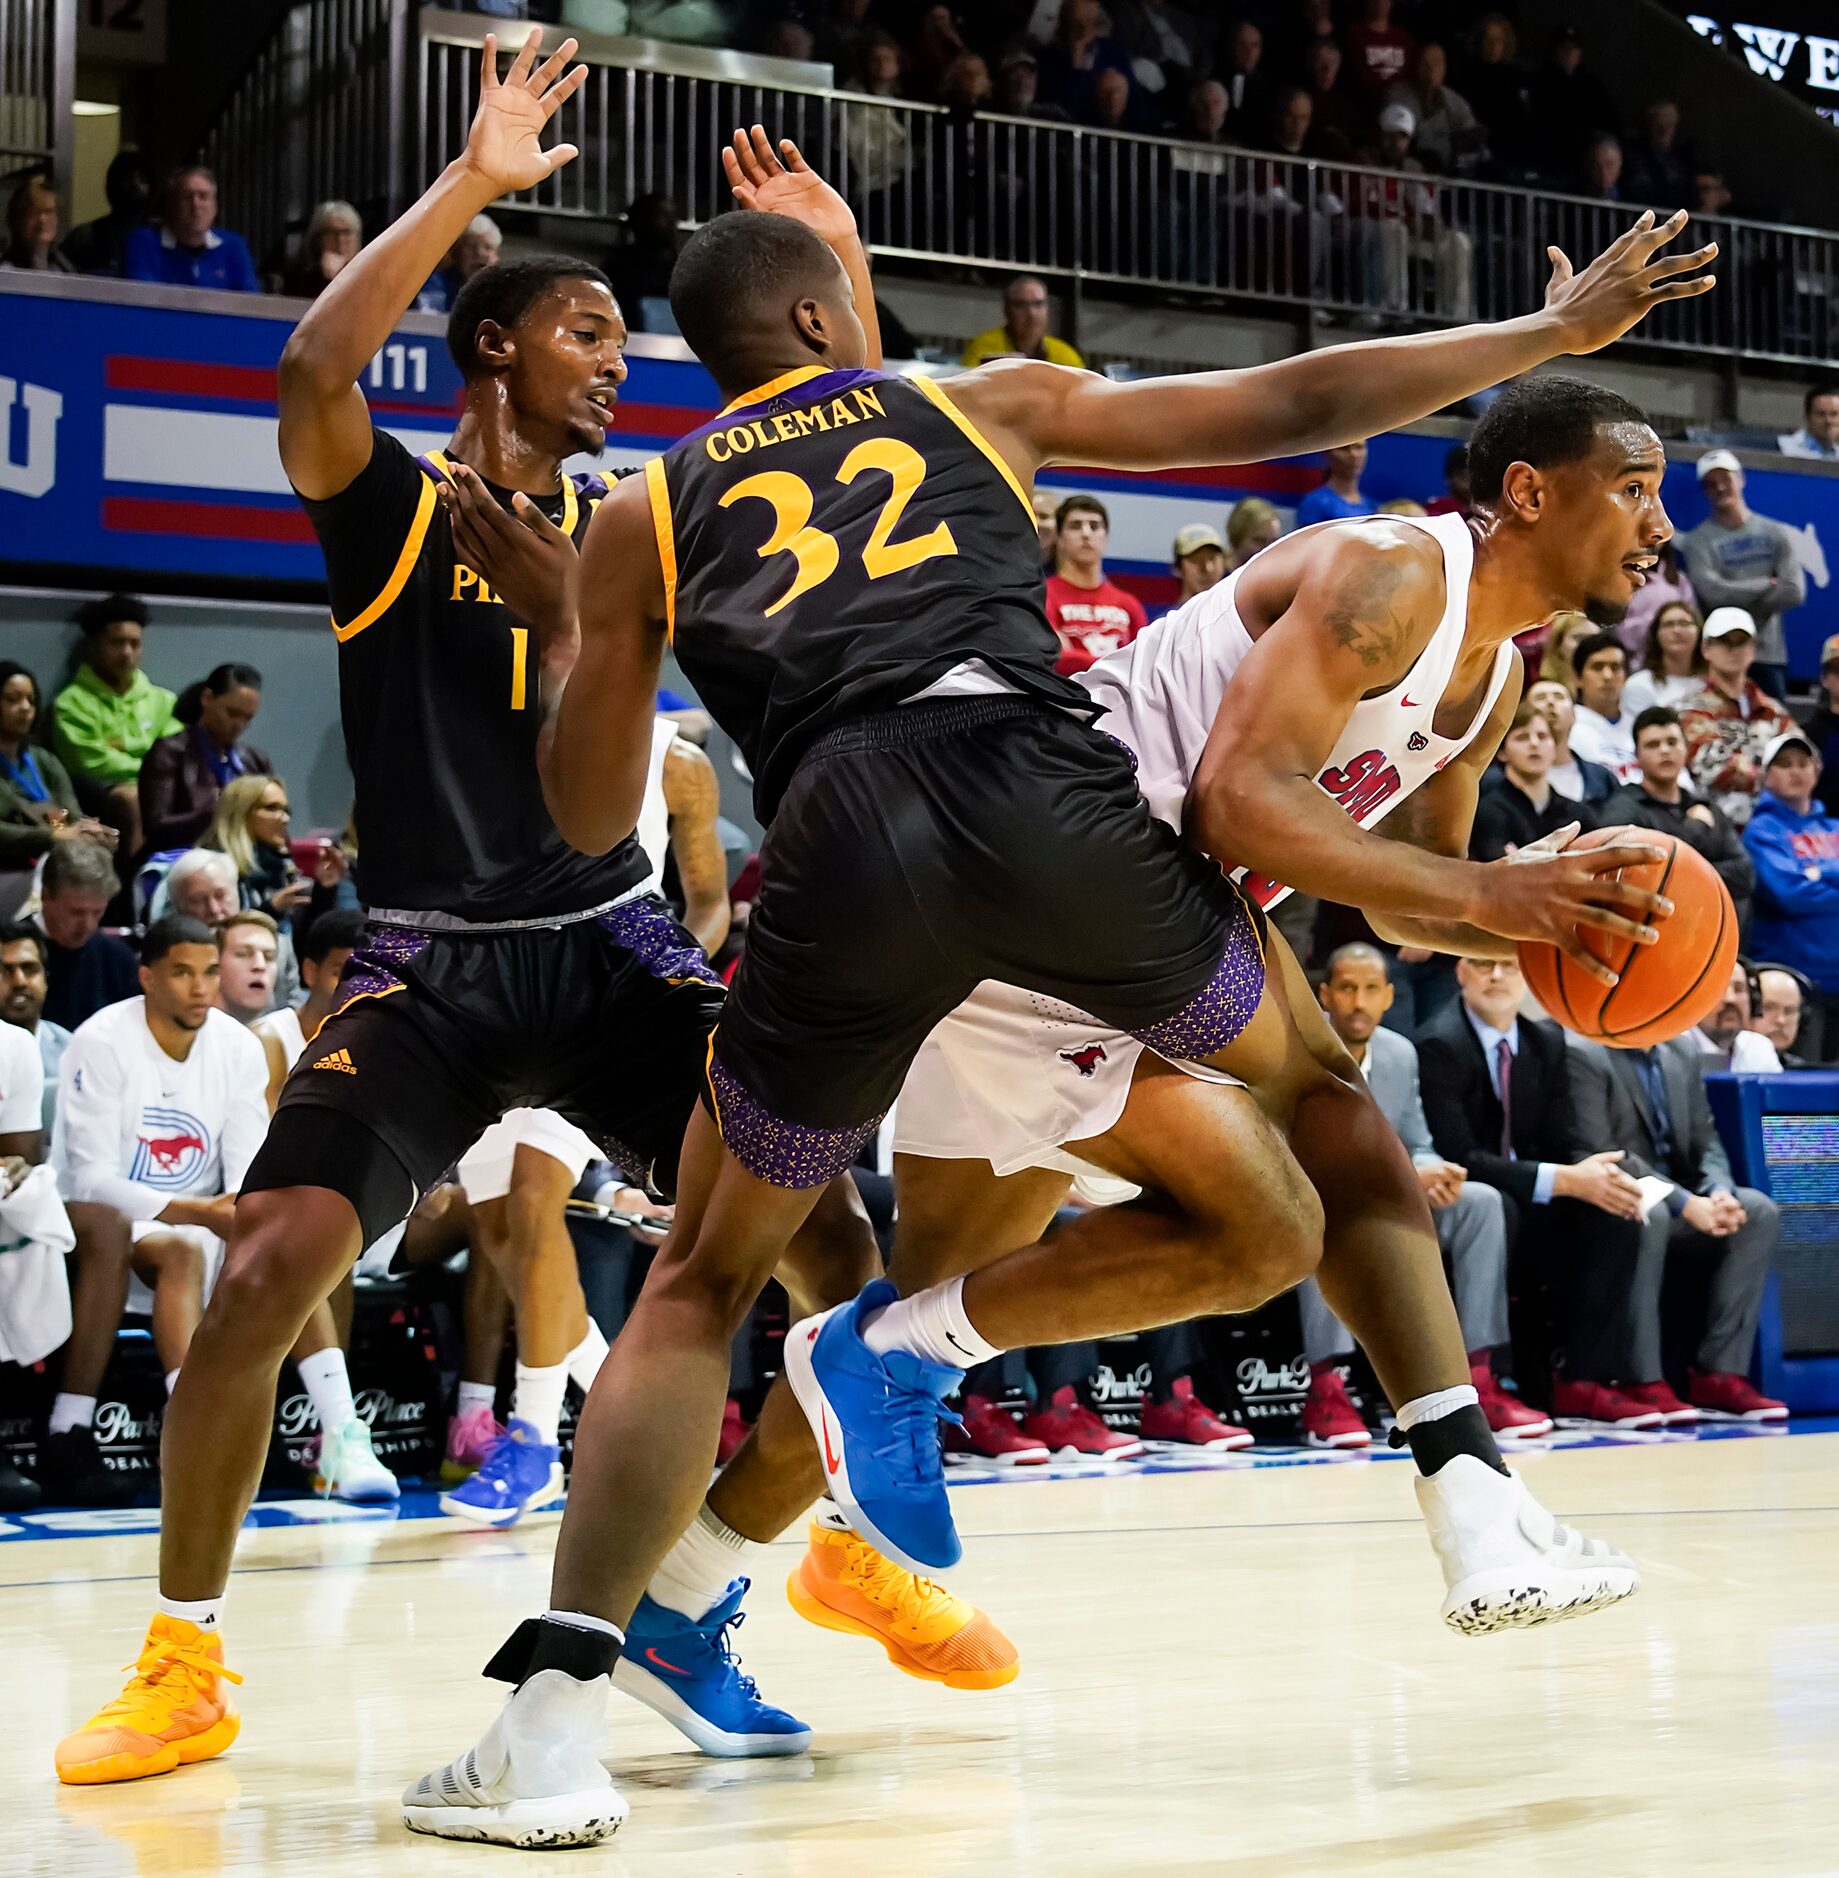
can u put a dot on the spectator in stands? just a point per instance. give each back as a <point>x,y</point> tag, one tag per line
<point>31,230</point>
<point>1780,1013</point>
<point>1494,82</point>
<point>1496,1099</point>
<point>111,714</point>
<point>640,269</point>
<point>182,777</point>
<point>1378,51</point>
<point>1737,558</point>
<point>1455,497</point>
<point>1339,117</point>
<point>1572,776</point>
<point>1665,586</point>
<point>1081,49</point>
<point>1450,138</point>
<point>87,967</point>
<point>1400,221</point>
<point>38,805</point>
<point>1659,167</point>
<point>1247,83</point>
<point>1295,39</point>
<point>1602,169</point>
<point>1650,1106</point>
<point>1168,45</point>
<point>1523,807</point>
<point>842,33</point>
<point>475,251</point>
<point>1731,723</point>
<point>1564,632</point>
<point>148,1194</point>
<point>250,944</point>
<point>187,248</point>
<point>1657,800</point>
<point>333,235</point>
<point>1818,436</point>
<point>1568,105</point>
<point>25,954</point>
<point>934,44</point>
<point>101,246</point>
<point>880,151</point>
<point>1468,1215</point>
<point>1253,524</point>
<point>1338,495</point>
<point>1713,196</point>
<point>1823,726</point>
<point>1116,105</point>
<point>1602,731</point>
<point>1795,845</point>
<point>201,884</point>
<point>1018,90</point>
<point>1727,1039</point>
<point>1200,560</point>
<point>1204,116</point>
<point>1046,506</point>
<point>1672,666</point>
<point>1023,333</point>
<point>251,826</point>
<point>1092,615</point>
<point>790,38</point>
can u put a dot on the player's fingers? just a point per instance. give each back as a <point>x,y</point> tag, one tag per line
<point>1561,265</point>
<point>561,155</point>
<point>1612,855</point>
<point>1600,919</point>
<point>560,94</point>
<point>1686,289</point>
<point>488,63</point>
<point>764,152</point>
<point>1658,234</point>
<point>553,67</point>
<point>536,521</point>
<point>742,150</point>
<point>526,58</point>
<point>1585,960</point>
<point>792,157</point>
<point>1665,266</point>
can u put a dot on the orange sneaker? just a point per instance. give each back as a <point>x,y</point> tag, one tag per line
<point>843,1583</point>
<point>175,1710</point>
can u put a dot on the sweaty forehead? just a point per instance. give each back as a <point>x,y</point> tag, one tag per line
<point>1626,445</point>
<point>573,298</point>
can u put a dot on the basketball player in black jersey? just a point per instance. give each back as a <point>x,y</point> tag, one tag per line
<point>848,562</point>
<point>503,967</point>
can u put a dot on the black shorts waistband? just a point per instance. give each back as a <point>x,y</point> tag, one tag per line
<point>920,722</point>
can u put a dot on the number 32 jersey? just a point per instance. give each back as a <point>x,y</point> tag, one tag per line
<point>835,542</point>
<point>439,696</point>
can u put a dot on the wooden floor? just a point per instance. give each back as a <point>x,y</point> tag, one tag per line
<point>1237,1671</point>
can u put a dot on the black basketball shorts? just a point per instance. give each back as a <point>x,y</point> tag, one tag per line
<point>921,851</point>
<point>605,1020</point>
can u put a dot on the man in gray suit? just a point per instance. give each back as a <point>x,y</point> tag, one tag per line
<point>1651,1104</point>
<point>1471,1224</point>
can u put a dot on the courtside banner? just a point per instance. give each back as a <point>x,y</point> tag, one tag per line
<point>138,426</point>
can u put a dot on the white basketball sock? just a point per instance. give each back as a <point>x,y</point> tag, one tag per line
<point>71,1411</point>
<point>537,1399</point>
<point>476,1395</point>
<point>328,1385</point>
<point>700,1567</point>
<point>206,1613</point>
<point>584,1360</point>
<point>1435,1406</point>
<point>931,1324</point>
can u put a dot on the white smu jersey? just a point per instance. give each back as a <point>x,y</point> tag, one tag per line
<point>654,817</point>
<point>1162,692</point>
<point>136,1130</point>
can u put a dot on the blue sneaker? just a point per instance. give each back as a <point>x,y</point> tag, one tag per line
<point>876,1419</point>
<point>688,1672</point>
<point>519,1474</point>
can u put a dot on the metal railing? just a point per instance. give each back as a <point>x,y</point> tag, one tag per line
<point>1087,205</point>
<point>38,60</point>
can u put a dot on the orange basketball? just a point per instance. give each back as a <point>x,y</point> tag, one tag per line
<point>1664,989</point>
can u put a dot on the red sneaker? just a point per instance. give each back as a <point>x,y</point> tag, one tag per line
<point>1330,1419</point>
<point>990,1433</point>
<point>734,1432</point>
<point>1184,1417</point>
<point>1506,1414</point>
<point>1659,1395</point>
<point>1072,1431</point>
<point>1598,1402</point>
<point>1728,1397</point>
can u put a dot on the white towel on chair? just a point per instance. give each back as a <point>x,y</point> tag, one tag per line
<point>34,1291</point>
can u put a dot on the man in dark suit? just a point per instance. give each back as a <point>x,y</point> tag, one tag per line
<point>1651,1104</point>
<point>1496,1099</point>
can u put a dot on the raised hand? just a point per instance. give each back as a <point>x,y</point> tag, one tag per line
<point>1625,282</point>
<point>783,183</point>
<point>505,143</point>
<point>524,557</point>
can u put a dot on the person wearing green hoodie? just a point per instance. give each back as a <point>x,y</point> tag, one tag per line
<point>111,714</point>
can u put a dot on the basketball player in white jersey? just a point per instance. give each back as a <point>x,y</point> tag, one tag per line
<point>1320,720</point>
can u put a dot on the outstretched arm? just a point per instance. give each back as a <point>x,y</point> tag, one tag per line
<point>1036,413</point>
<point>325,423</point>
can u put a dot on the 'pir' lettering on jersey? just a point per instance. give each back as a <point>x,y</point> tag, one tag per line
<point>860,406</point>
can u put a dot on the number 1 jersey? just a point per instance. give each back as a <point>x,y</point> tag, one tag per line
<point>439,696</point>
<point>834,543</point>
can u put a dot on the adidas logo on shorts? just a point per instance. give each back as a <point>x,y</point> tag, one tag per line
<point>339,1059</point>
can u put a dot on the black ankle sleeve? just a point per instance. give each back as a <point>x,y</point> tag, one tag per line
<point>540,1643</point>
<point>1465,1432</point>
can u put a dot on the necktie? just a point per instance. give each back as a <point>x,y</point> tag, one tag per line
<point>1647,1067</point>
<point>1503,1076</point>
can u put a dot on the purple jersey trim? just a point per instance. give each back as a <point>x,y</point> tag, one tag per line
<point>782,1153</point>
<point>1225,1004</point>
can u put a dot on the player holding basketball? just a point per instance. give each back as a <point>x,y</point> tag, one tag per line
<point>938,814</point>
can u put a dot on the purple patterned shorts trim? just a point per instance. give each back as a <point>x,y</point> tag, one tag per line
<point>371,971</point>
<point>646,930</point>
<point>782,1153</point>
<point>1225,1005</point>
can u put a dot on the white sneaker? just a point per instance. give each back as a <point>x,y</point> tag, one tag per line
<point>348,1468</point>
<point>1507,1562</point>
<point>533,1780</point>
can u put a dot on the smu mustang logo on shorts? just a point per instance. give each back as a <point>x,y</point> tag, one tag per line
<point>172,1151</point>
<point>1086,1058</point>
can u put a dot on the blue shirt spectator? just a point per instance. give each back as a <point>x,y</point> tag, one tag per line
<point>1795,845</point>
<point>1338,497</point>
<point>186,248</point>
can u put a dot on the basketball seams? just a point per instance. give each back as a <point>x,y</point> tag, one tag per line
<point>1605,1029</point>
<point>1717,946</point>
